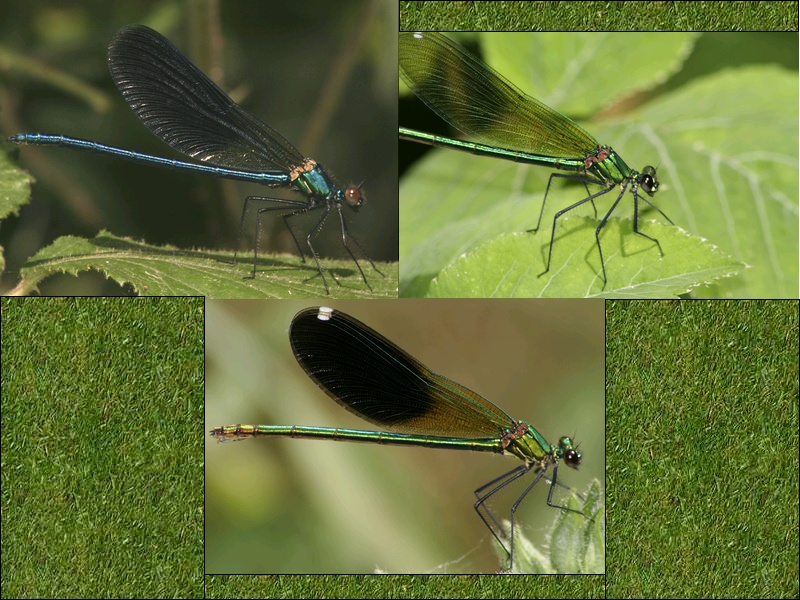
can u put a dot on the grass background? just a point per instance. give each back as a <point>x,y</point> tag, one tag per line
<point>102,480</point>
<point>598,16</point>
<point>404,586</point>
<point>702,401</point>
<point>313,506</point>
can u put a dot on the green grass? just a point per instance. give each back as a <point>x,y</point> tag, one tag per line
<point>404,586</point>
<point>598,16</point>
<point>702,453</point>
<point>102,475</point>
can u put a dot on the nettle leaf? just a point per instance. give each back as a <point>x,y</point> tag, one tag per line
<point>169,271</point>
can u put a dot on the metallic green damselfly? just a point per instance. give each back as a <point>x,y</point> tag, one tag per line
<point>376,380</point>
<point>504,122</point>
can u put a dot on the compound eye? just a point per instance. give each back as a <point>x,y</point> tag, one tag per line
<point>354,196</point>
<point>648,180</point>
<point>572,458</point>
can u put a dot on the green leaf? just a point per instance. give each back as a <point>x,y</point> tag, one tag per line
<point>168,271</point>
<point>510,264</point>
<point>729,165</point>
<point>562,70</point>
<point>15,186</point>
<point>576,543</point>
<point>15,191</point>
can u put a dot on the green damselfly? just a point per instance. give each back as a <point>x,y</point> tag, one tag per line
<point>504,122</point>
<point>373,378</point>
